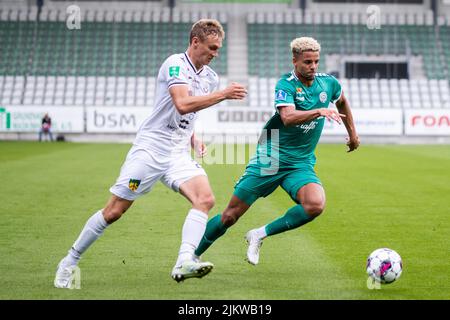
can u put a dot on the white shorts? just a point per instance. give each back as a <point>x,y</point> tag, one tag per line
<point>142,169</point>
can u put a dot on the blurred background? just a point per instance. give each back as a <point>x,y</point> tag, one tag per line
<point>92,65</point>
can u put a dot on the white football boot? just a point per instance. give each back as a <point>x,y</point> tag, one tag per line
<point>67,277</point>
<point>254,244</point>
<point>191,269</point>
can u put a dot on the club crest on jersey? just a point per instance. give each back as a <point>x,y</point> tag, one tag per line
<point>281,95</point>
<point>174,71</point>
<point>133,184</point>
<point>323,96</point>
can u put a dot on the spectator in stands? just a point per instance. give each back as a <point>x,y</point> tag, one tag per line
<point>46,127</point>
<point>285,152</point>
<point>161,151</point>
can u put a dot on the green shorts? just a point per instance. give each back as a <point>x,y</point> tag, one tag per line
<point>252,186</point>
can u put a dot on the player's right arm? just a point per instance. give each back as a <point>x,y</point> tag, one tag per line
<point>187,104</point>
<point>291,117</point>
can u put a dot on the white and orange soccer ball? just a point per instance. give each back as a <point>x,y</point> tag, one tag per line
<point>384,265</point>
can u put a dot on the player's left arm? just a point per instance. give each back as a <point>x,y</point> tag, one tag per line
<point>343,107</point>
<point>198,146</point>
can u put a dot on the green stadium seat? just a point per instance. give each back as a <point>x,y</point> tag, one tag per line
<point>111,49</point>
<point>346,40</point>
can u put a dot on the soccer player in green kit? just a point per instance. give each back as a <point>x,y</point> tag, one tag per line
<point>285,152</point>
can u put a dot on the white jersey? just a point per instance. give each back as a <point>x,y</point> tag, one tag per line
<point>166,131</point>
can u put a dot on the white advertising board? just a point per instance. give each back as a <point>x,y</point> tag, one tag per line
<point>427,122</point>
<point>219,120</point>
<point>251,120</point>
<point>115,119</point>
<point>370,122</point>
<point>233,120</point>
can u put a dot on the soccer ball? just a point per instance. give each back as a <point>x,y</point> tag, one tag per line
<point>384,265</point>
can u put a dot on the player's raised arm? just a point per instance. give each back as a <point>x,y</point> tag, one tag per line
<point>344,108</point>
<point>187,104</point>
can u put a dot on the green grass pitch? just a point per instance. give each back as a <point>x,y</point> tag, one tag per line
<point>378,196</point>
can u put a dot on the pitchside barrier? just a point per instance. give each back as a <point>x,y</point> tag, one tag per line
<point>219,120</point>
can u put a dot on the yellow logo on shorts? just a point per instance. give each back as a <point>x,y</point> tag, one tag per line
<point>133,184</point>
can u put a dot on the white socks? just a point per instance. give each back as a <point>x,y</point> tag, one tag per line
<point>193,229</point>
<point>92,230</point>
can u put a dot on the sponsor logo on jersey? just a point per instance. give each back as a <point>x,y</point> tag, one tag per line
<point>183,124</point>
<point>174,71</point>
<point>281,95</point>
<point>323,96</point>
<point>133,184</point>
<point>300,94</point>
<point>170,127</point>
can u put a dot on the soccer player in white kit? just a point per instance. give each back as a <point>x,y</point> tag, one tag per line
<point>185,85</point>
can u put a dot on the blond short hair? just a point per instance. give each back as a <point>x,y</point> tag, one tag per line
<point>206,27</point>
<point>300,45</point>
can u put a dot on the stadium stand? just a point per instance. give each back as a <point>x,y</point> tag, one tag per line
<point>344,34</point>
<point>340,38</point>
<point>114,61</point>
<point>112,43</point>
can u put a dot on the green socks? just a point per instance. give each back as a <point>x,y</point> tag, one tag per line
<point>214,230</point>
<point>293,218</point>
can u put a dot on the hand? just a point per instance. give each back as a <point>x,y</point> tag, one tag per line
<point>199,148</point>
<point>353,143</point>
<point>235,91</point>
<point>331,115</point>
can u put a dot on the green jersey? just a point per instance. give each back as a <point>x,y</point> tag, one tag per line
<point>291,147</point>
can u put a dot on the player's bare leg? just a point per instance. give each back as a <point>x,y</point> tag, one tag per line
<point>115,208</point>
<point>218,224</point>
<point>312,198</point>
<point>235,209</point>
<point>198,191</point>
<point>93,229</point>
